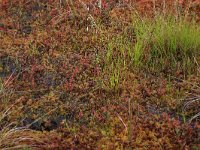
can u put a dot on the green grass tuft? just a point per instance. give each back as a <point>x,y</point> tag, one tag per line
<point>169,44</point>
<point>161,44</point>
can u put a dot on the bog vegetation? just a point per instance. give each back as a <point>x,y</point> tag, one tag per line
<point>99,74</point>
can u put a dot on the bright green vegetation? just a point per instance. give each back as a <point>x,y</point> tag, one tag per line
<point>169,44</point>
<point>163,44</point>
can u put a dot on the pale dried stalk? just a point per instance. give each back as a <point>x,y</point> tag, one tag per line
<point>100,4</point>
<point>194,117</point>
<point>187,9</point>
<point>120,118</point>
<point>176,9</point>
<point>164,7</point>
<point>154,7</point>
<point>90,17</point>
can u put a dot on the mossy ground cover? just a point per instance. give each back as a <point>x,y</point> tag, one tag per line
<point>110,75</point>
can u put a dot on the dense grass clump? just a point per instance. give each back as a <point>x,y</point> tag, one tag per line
<point>164,44</point>
<point>168,44</point>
